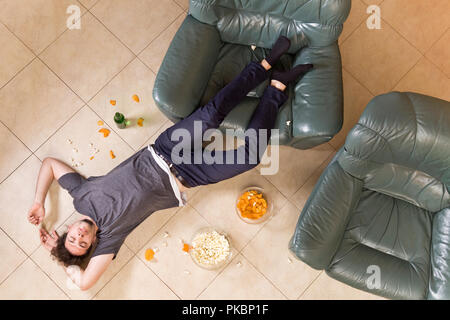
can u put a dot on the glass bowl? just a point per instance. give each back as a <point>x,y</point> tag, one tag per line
<point>268,199</point>
<point>211,266</point>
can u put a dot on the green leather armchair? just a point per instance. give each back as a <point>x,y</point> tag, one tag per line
<point>213,45</point>
<point>384,201</point>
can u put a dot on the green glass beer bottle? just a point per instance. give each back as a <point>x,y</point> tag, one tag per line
<point>120,121</point>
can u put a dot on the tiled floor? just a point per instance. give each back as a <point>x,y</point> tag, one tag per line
<point>55,84</point>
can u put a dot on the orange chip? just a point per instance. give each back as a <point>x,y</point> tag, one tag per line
<point>135,98</point>
<point>113,102</point>
<point>149,254</point>
<point>186,247</point>
<point>111,154</point>
<point>252,205</point>
<point>91,158</point>
<point>140,122</point>
<point>100,122</point>
<point>104,131</point>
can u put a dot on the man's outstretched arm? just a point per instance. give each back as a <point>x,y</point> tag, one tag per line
<point>96,267</point>
<point>50,169</point>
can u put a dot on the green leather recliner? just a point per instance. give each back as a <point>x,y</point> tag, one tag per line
<point>213,45</point>
<point>384,201</point>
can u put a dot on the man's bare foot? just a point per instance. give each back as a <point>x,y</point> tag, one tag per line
<point>265,64</point>
<point>277,84</point>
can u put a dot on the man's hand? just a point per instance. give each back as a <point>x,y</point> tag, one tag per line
<point>47,240</point>
<point>36,213</point>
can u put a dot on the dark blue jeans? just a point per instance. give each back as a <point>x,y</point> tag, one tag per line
<point>212,114</point>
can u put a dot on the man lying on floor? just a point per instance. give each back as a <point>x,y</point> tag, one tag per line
<point>116,203</point>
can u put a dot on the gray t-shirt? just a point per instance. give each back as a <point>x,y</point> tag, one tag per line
<point>120,200</point>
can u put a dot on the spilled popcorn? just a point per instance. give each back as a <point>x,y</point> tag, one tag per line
<point>210,248</point>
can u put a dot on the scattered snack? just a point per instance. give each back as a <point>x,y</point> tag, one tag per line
<point>75,150</point>
<point>91,158</point>
<point>69,141</point>
<point>135,98</point>
<point>166,234</point>
<point>210,248</point>
<point>100,122</point>
<point>149,254</point>
<point>104,131</point>
<point>140,122</point>
<point>186,247</point>
<point>113,102</point>
<point>252,205</point>
<point>111,154</point>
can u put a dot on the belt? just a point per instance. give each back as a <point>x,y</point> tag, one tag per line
<point>172,168</point>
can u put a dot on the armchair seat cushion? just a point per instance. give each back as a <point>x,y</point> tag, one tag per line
<point>392,235</point>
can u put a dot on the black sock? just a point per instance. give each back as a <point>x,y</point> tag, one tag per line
<point>281,46</point>
<point>291,75</point>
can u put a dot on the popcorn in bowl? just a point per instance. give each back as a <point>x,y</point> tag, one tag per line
<point>210,249</point>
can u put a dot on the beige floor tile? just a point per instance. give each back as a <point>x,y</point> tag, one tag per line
<point>35,104</point>
<point>56,272</point>
<point>170,263</point>
<point>421,22</point>
<point>370,2</point>
<point>295,166</point>
<point>88,3</point>
<point>17,195</point>
<point>268,251</point>
<point>356,98</point>
<point>13,152</point>
<point>136,23</point>
<point>302,195</point>
<point>82,130</point>
<point>147,229</point>
<point>183,3</point>
<point>378,58</point>
<point>425,78</point>
<point>14,55</point>
<point>326,288</point>
<point>28,282</point>
<point>37,23</point>
<point>240,281</point>
<point>356,16</point>
<point>217,203</point>
<point>12,256</point>
<point>137,79</point>
<point>439,54</point>
<point>88,58</point>
<point>135,281</point>
<point>153,55</point>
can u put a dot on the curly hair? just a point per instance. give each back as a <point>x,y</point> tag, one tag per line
<point>63,255</point>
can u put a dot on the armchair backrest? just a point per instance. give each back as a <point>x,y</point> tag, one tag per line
<point>259,22</point>
<point>401,147</point>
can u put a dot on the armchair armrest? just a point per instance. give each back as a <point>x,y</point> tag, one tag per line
<point>439,285</point>
<point>186,68</point>
<point>323,220</point>
<point>317,108</point>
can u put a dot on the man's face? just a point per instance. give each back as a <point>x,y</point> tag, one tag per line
<point>80,237</point>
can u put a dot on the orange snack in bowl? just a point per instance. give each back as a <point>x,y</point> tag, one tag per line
<point>252,205</point>
<point>149,254</point>
<point>100,122</point>
<point>186,247</point>
<point>135,97</point>
<point>140,122</point>
<point>111,154</point>
<point>113,102</point>
<point>104,131</point>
